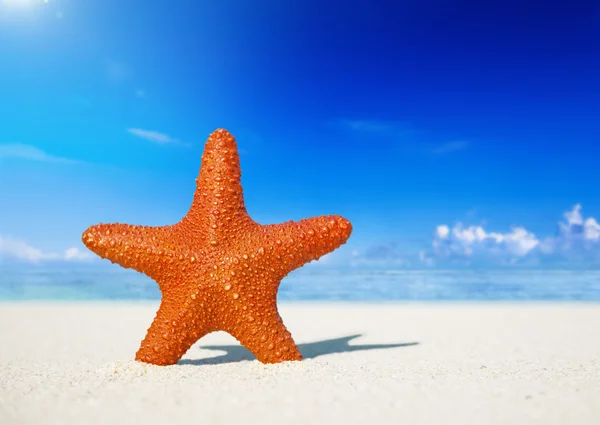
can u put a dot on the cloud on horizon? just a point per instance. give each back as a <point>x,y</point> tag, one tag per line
<point>155,136</point>
<point>31,153</point>
<point>577,240</point>
<point>21,250</point>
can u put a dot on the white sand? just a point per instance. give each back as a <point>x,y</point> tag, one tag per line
<point>474,364</point>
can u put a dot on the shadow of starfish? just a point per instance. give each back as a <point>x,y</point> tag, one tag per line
<point>310,350</point>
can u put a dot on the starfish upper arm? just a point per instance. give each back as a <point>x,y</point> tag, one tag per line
<point>294,244</point>
<point>145,249</point>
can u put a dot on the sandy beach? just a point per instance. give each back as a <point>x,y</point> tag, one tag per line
<point>71,363</point>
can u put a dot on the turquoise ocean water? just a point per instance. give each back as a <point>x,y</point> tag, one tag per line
<point>83,284</point>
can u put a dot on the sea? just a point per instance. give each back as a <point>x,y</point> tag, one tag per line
<point>321,285</point>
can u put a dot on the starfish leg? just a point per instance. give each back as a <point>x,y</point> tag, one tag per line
<point>170,335</point>
<point>266,337</point>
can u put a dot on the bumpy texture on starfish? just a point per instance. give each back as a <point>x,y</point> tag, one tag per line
<point>217,268</point>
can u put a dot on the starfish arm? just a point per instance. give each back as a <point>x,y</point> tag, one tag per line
<point>142,248</point>
<point>171,334</point>
<point>294,244</point>
<point>218,201</point>
<point>263,333</point>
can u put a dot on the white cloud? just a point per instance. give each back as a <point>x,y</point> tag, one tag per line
<point>442,231</point>
<point>21,250</point>
<point>577,238</point>
<point>466,242</point>
<point>576,235</point>
<point>76,254</point>
<point>154,136</point>
<point>576,227</point>
<point>592,229</point>
<point>450,147</point>
<point>28,152</point>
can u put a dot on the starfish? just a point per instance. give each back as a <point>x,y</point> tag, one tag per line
<point>217,269</point>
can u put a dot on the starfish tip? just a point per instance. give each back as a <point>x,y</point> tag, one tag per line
<point>88,237</point>
<point>220,144</point>
<point>96,238</point>
<point>346,225</point>
<point>221,134</point>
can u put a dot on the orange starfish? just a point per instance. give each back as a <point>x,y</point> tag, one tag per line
<point>218,269</point>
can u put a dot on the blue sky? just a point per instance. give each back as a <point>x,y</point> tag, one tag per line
<point>451,133</point>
